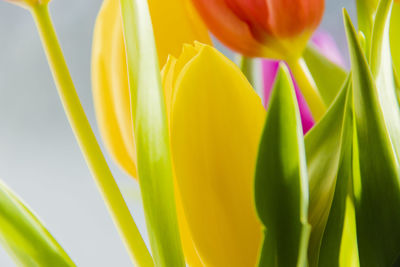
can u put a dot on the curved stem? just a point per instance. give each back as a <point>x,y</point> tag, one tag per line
<point>308,87</point>
<point>87,141</point>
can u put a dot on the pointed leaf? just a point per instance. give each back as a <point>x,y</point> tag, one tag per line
<point>382,70</point>
<point>24,236</point>
<point>395,38</point>
<point>366,10</point>
<point>375,175</point>
<point>332,238</point>
<point>323,154</point>
<point>281,177</point>
<point>151,134</point>
<point>328,76</point>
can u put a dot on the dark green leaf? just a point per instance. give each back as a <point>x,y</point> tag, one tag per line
<point>281,183</point>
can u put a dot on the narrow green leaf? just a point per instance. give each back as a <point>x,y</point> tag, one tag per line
<point>151,135</point>
<point>375,174</point>
<point>395,37</point>
<point>24,236</point>
<point>323,154</point>
<point>281,183</point>
<point>328,76</point>
<point>330,249</point>
<point>366,10</point>
<point>382,70</point>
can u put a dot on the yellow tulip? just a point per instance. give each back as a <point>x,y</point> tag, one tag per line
<point>110,80</point>
<point>211,109</point>
<point>109,71</point>
<point>216,120</point>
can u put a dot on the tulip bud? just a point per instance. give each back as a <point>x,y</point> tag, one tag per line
<point>277,29</point>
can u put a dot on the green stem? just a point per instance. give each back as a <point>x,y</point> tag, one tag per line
<point>249,68</point>
<point>246,66</point>
<point>87,141</point>
<point>308,87</point>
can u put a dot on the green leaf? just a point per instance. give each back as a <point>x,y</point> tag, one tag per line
<point>366,10</point>
<point>382,70</point>
<point>395,41</point>
<point>375,174</point>
<point>330,249</point>
<point>24,236</point>
<point>281,183</point>
<point>328,76</point>
<point>151,135</point>
<point>323,154</point>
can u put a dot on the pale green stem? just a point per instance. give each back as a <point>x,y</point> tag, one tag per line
<point>246,66</point>
<point>308,87</point>
<point>87,141</point>
<point>252,70</point>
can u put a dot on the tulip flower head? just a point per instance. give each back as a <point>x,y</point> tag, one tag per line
<point>271,28</point>
<point>110,81</point>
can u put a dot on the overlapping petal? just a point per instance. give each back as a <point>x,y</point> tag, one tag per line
<point>268,28</point>
<point>216,123</point>
<point>175,22</point>
<point>103,79</point>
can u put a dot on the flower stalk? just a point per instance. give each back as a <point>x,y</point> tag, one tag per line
<point>308,87</point>
<point>87,141</point>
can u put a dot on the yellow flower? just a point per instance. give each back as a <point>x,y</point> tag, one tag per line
<point>216,120</point>
<point>109,73</point>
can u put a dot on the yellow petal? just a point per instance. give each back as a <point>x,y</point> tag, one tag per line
<point>189,250</point>
<point>216,123</point>
<point>103,95</point>
<point>175,22</point>
<point>120,87</point>
<point>169,74</point>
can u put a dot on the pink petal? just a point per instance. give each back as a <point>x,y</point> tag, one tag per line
<point>326,45</point>
<point>270,68</point>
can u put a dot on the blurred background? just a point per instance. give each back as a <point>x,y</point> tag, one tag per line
<point>39,158</point>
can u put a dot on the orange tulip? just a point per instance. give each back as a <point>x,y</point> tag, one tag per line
<point>262,28</point>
